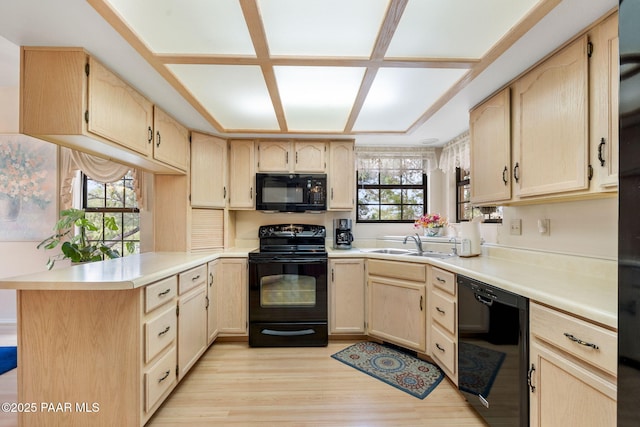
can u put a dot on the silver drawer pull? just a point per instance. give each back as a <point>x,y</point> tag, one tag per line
<point>164,377</point>
<point>161,333</point>
<point>441,280</point>
<point>579,341</point>
<point>439,348</point>
<point>163,293</point>
<point>440,310</point>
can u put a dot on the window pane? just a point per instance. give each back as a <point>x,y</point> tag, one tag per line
<point>368,177</point>
<point>412,177</point>
<point>412,212</point>
<point>366,196</point>
<point>390,177</point>
<point>390,213</point>
<point>390,196</point>
<point>368,212</point>
<point>131,226</point>
<point>95,194</point>
<point>387,164</point>
<point>413,197</point>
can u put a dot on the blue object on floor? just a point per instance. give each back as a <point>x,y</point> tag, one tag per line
<point>8,359</point>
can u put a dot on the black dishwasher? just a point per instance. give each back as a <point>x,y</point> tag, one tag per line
<point>493,352</point>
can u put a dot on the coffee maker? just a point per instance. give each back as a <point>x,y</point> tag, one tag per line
<point>342,236</point>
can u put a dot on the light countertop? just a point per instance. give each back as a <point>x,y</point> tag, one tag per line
<point>582,286</point>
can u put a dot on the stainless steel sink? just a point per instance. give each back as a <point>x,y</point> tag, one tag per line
<point>391,251</point>
<point>430,254</point>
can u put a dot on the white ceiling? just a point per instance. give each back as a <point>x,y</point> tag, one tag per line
<point>304,67</point>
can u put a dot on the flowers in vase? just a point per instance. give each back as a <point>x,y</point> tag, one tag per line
<point>430,221</point>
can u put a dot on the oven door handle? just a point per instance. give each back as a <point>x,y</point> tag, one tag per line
<point>288,333</point>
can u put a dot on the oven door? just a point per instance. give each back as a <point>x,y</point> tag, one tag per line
<point>290,288</point>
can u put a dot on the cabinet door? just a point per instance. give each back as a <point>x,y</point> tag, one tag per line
<point>397,312</point>
<point>208,171</point>
<point>232,297</point>
<point>490,132</point>
<point>568,394</point>
<point>171,140</point>
<point>346,296</point>
<point>551,124</point>
<point>273,156</point>
<point>192,328</point>
<point>212,300</point>
<point>310,156</point>
<point>241,174</point>
<point>341,176</point>
<point>605,82</point>
<point>207,229</point>
<point>117,112</point>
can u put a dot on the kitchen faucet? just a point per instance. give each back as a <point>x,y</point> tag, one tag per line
<point>454,250</point>
<point>417,241</point>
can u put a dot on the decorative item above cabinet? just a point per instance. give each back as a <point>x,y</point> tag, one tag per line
<point>70,99</point>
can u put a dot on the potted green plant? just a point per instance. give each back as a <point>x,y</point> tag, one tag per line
<point>75,246</point>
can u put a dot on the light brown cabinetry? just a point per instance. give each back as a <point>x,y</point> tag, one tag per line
<point>346,296</point>
<point>215,276</point>
<point>208,171</point>
<point>241,174</point>
<point>233,297</point>
<point>396,302</point>
<point>490,133</point>
<point>443,305</point>
<point>192,317</point>
<point>551,132</point>
<point>69,98</point>
<point>604,89</point>
<point>341,177</point>
<point>292,156</point>
<point>572,370</point>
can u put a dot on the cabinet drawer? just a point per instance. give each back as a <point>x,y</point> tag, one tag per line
<point>444,280</point>
<point>191,278</point>
<point>443,310</point>
<point>159,332</point>
<point>397,270</point>
<point>443,349</point>
<point>574,335</point>
<point>160,293</point>
<point>159,379</point>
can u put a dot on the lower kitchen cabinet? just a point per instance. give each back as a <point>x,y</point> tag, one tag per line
<point>192,317</point>
<point>397,306</point>
<point>346,296</point>
<point>443,314</point>
<point>572,370</point>
<point>233,297</point>
<point>215,277</point>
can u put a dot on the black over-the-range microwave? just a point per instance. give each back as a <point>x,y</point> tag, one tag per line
<point>290,192</point>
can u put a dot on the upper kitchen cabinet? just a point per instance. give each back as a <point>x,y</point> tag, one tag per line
<point>604,86</point>
<point>292,156</point>
<point>550,121</point>
<point>490,133</point>
<point>208,171</point>
<point>341,177</point>
<point>241,174</point>
<point>171,140</point>
<point>70,99</point>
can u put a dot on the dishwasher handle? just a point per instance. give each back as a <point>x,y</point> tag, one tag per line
<point>483,300</point>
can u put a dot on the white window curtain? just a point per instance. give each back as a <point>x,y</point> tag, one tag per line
<point>456,154</point>
<point>373,157</point>
<point>96,168</point>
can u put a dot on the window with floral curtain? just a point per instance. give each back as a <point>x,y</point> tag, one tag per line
<point>392,185</point>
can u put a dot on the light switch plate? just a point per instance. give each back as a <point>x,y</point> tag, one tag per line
<point>515,228</point>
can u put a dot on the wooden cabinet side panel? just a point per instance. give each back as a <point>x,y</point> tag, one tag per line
<point>232,297</point>
<point>80,351</point>
<point>118,112</point>
<point>214,279</point>
<point>552,126</point>
<point>53,92</point>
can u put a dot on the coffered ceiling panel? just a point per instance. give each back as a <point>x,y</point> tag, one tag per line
<point>335,67</point>
<point>322,27</point>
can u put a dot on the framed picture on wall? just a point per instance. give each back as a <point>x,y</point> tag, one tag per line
<point>28,188</point>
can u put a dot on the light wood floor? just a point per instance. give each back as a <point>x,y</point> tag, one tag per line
<point>233,385</point>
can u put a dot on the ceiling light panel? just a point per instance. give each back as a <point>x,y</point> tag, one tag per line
<point>398,97</point>
<point>194,27</point>
<point>454,28</point>
<point>318,98</point>
<point>235,95</point>
<point>338,28</point>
